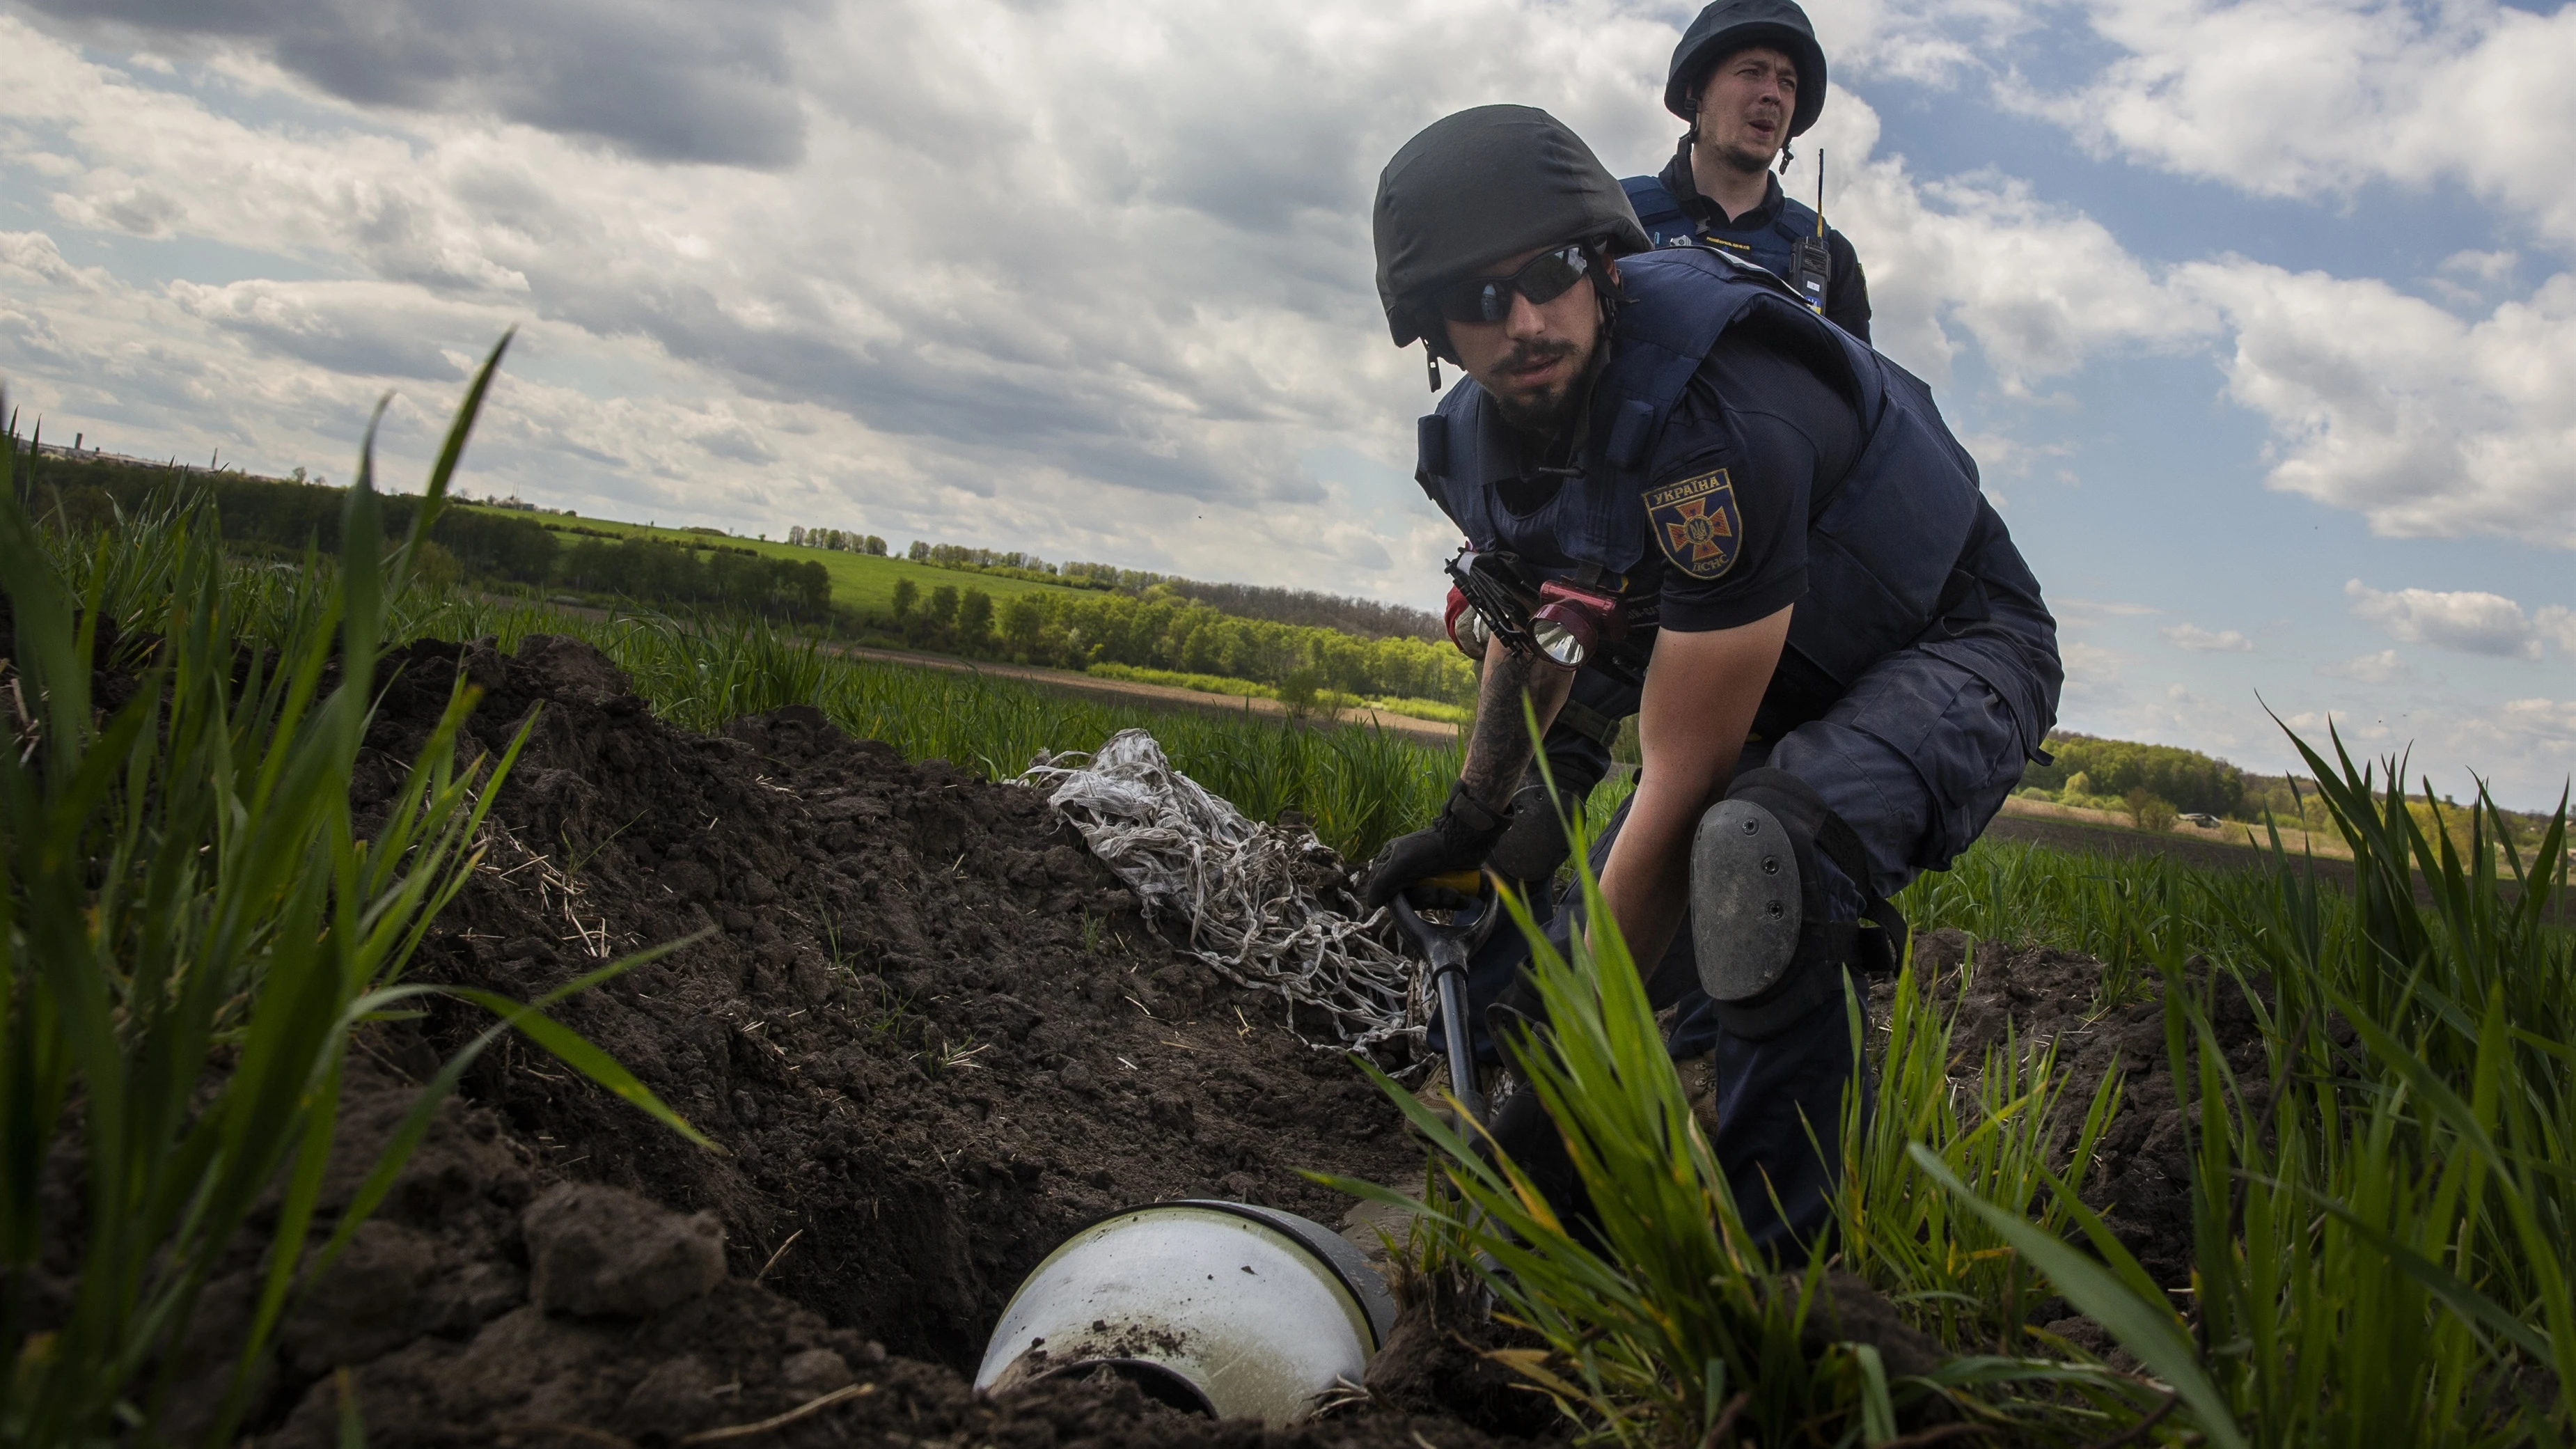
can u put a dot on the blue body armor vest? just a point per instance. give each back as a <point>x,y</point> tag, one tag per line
<point>1772,248</point>
<point>1883,542</point>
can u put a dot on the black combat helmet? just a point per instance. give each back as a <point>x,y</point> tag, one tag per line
<point>1483,185</point>
<point>1731,25</point>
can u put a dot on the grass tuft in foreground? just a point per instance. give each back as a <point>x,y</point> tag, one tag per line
<point>1664,1323</point>
<point>2384,1212</point>
<point>2385,1248</point>
<point>1959,1278</point>
<point>191,927</point>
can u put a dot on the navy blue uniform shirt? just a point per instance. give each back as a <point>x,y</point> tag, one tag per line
<point>1846,289</point>
<point>1780,432</point>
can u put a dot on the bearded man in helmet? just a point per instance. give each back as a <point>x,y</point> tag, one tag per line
<point>1843,661</point>
<point>1749,77</point>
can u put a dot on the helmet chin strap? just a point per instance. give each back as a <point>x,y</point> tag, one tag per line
<point>1431,360</point>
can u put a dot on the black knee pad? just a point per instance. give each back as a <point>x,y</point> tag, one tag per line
<point>1755,884</point>
<point>1764,931</point>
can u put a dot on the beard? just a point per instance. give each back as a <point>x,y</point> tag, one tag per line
<point>1735,155</point>
<point>1546,411</point>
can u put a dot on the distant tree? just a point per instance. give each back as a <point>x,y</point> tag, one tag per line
<point>906,595</point>
<point>1299,689</point>
<point>943,606</point>
<point>2148,810</point>
<point>1023,622</point>
<point>435,569</point>
<point>974,616</point>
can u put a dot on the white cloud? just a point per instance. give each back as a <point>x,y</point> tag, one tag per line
<point>1092,275</point>
<point>1130,354</point>
<point>2426,423</point>
<point>2040,288</point>
<point>2094,677</point>
<point>2199,640</point>
<point>2320,97</point>
<point>2387,405</point>
<point>1039,273</point>
<point>2376,668</point>
<point>2473,279</point>
<point>2556,622</point>
<point>34,256</point>
<point>2551,720</point>
<point>2470,621</point>
<point>2482,268</point>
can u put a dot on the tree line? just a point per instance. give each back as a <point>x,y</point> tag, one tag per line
<point>2187,780</point>
<point>672,573</point>
<point>485,544</point>
<point>1162,631</point>
<point>837,541</point>
<point>1367,618</point>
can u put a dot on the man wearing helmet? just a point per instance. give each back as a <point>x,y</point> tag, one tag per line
<point>1843,659</point>
<point>1749,77</point>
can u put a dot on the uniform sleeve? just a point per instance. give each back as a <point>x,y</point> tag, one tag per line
<point>1751,440</point>
<point>1728,514</point>
<point>1846,290</point>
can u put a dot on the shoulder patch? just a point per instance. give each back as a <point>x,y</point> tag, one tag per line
<point>1696,523</point>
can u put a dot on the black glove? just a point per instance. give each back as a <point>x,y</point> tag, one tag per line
<point>1458,840</point>
<point>1535,844</point>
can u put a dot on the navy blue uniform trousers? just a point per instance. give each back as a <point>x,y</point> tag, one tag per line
<point>1916,757</point>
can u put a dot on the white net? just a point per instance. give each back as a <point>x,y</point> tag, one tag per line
<point>1242,888</point>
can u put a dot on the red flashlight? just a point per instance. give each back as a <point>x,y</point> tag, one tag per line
<point>1572,621</point>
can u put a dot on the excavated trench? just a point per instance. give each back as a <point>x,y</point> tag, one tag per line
<point>929,1033</point>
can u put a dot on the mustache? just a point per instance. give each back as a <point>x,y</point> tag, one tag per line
<point>1532,354</point>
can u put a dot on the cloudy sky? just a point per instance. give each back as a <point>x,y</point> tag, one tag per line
<point>2261,317</point>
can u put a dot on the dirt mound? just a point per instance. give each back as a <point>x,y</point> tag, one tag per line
<point>2141,1181</point>
<point>931,1036</point>
<point>475,1309</point>
<point>925,1026</point>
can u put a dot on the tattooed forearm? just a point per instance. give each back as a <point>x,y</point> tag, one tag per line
<point>1498,750</point>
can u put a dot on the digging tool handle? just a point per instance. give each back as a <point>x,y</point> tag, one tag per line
<point>1449,947</point>
<point>1462,1052</point>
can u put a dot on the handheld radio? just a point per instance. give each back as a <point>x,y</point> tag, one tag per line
<point>1811,262</point>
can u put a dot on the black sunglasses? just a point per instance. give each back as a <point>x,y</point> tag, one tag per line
<point>1542,279</point>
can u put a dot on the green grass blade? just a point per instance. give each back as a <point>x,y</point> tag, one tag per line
<point>2147,1329</point>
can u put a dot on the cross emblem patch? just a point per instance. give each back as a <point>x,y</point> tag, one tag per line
<point>1696,524</point>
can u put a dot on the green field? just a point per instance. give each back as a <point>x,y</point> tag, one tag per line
<point>2380,1168</point>
<point>859,581</point>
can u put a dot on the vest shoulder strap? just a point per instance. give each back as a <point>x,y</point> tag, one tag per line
<point>1656,207</point>
<point>1796,221</point>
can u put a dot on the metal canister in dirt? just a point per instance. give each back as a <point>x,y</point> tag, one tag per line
<point>1224,1308</point>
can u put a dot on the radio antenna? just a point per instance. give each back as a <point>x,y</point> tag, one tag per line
<point>1820,193</point>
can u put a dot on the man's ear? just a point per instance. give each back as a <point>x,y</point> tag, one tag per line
<point>1610,269</point>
